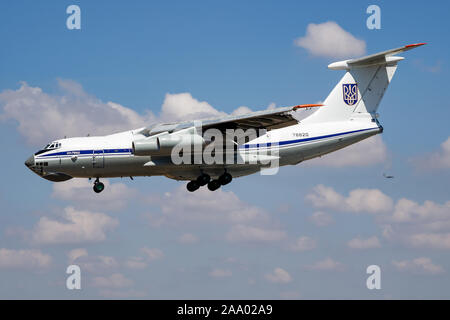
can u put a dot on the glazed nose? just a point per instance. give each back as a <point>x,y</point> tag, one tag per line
<point>30,161</point>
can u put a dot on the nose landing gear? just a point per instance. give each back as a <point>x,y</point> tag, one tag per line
<point>98,186</point>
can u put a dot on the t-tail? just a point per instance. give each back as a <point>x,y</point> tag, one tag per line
<point>361,89</point>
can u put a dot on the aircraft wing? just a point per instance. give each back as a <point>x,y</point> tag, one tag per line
<point>266,119</point>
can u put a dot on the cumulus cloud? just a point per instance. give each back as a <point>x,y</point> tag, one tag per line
<point>42,117</point>
<point>365,153</point>
<point>182,106</point>
<point>328,39</point>
<point>116,280</point>
<point>149,255</point>
<point>220,273</point>
<point>75,227</point>
<point>419,265</point>
<point>241,111</point>
<point>437,160</point>
<point>179,207</point>
<point>410,211</point>
<point>327,264</point>
<point>418,225</point>
<point>279,275</point>
<point>358,200</point>
<point>249,223</point>
<point>97,264</point>
<point>76,254</point>
<point>304,244</point>
<point>252,234</point>
<point>321,219</point>
<point>79,192</point>
<point>360,243</point>
<point>23,259</point>
<point>430,240</point>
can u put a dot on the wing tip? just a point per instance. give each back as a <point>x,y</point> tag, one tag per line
<point>415,45</point>
<point>312,105</point>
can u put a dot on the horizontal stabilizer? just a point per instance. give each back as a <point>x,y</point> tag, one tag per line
<point>373,59</point>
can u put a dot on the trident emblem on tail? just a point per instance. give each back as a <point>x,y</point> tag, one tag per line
<point>350,93</point>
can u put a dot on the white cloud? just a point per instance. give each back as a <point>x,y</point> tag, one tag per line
<point>182,106</point>
<point>116,280</point>
<point>279,275</point>
<point>76,227</point>
<point>321,219</point>
<point>304,244</point>
<point>76,254</point>
<point>220,273</point>
<point>436,160</point>
<point>92,264</point>
<point>180,207</point>
<point>430,240</point>
<point>97,264</point>
<point>328,39</point>
<point>358,200</point>
<point>365,153</point>
<point>360,243</point>
<point>243,233</point>
<point>23,259</point>
<point>153,253</point>
<point>410,211</point>
<point>406,221</point>
<point>188,238</point>
<point>327,264</point>
<point>79,192</point>
<point>241,111</point>
<point>419,265</point>
<point>42,117</point>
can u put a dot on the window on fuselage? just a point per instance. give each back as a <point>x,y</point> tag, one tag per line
<point>48,147</point>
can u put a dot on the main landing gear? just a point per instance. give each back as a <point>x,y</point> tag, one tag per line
<point>213,185</point>
<point>98,186</point>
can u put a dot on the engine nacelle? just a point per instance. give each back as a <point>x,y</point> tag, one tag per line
<point>163,145</point>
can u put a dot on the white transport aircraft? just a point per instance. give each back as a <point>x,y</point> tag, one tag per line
<point>212,152</point>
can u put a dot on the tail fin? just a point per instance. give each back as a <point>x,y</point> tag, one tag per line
<point>362,87</point>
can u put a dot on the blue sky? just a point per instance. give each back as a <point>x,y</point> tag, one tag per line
<point>148,238</point>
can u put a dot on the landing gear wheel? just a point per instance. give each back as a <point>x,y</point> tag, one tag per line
<point>192,186</point>
<point>98,187</point>
<point>203,179</point>
<point>225,178</point>
<point>214,185</point>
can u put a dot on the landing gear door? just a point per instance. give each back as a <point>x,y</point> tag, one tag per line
<point>98,159</point>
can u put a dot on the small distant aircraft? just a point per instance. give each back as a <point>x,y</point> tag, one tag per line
<point>212,152</point>
<point>387,176</point>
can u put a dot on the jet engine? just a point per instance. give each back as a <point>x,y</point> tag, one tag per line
<point>163,144</point>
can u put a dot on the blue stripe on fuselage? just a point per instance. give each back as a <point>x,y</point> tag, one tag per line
<point>281,143</point>
<point>247,146</point>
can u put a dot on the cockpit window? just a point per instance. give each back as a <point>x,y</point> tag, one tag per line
<point>50,146</point>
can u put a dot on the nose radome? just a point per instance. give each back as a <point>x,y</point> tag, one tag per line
<point>30,161</point>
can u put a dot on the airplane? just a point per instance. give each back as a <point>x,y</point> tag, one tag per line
<point>388,176</point>
<point>278,136</point>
